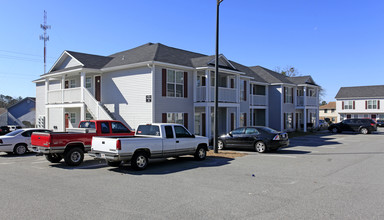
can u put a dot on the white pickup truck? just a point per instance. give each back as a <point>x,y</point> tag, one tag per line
<point>150,141</point>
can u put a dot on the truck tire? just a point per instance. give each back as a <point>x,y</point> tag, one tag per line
<point>53,158</point>
<point>139,161</point>
<point>114,163</point>
<point>74,156</point>
<point>201,153</point>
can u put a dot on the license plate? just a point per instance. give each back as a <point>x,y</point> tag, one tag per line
<point>102,155</point>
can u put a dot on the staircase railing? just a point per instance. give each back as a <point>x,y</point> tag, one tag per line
<point>95,107</point>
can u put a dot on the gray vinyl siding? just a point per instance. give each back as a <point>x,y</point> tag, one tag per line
<point>275,107</point>
<point>54,84</point>
<point>40,99</point>
<point>124,94</point>
<point>67,63</point>
<point>56,119</point>
<point>173,104</point>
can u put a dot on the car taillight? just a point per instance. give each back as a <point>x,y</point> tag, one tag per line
<point>118,145</point>
<point>276,138</point>
<point>373,124</point>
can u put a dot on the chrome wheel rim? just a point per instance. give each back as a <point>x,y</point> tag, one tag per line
<point>260,147</point>
<point>364,131</point>
<point>141,161</point>
<point>201,153</point>
<point>20,149</point>
<point>75,157</point>
<point>220,145</point>
<point>334,130</point>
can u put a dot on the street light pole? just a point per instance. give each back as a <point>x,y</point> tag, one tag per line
<point>216,131</point>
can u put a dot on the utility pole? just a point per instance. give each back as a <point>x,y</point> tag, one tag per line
<point>45,38</point>
<point>216,118</point>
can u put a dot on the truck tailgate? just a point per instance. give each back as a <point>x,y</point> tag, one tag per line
<point>104,144</point>
<point>41,139</point>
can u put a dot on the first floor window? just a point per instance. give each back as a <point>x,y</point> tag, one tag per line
<point>243,119</point>
<point>88,82</point>
<point>288,120</point>
<point>88,116</point>
<point>197,123</point>
<point>177,118</point>
<point>73,117</point>
<point>72,83</point>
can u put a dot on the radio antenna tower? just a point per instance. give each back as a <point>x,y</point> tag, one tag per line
<point>45,38</point>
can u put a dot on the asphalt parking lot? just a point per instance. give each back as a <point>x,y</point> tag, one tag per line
<point>322,176</point>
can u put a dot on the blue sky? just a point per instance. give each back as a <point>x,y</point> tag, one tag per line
<point>339,43</point>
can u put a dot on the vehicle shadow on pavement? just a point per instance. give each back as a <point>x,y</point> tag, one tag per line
<point>28,154</point>
<point>172,165</point>
<point>86,164</point>
<point>313,141</point>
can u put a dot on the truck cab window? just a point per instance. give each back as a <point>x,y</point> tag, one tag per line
<point>181,132</point>
<point>104,127</point>
<point>87,124</point>
<point>118,127</point>
<point>168,131</point>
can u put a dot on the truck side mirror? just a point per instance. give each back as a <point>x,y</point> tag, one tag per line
<point>230,134</point>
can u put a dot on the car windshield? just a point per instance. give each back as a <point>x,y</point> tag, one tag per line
<point>14,133</point>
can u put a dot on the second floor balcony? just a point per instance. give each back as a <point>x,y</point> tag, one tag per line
<point>225,94</point>
<point>61,96</point>
<point>309,100</point>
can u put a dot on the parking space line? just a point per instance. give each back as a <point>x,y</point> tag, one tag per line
<point>278,155</point>
<point>7,163</point>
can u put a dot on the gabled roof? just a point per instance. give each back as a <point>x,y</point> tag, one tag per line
<point>90,60</point>
<point>361,92</point>
<point>270,76</point>
<point>330,105</point>
<point>303,80</point>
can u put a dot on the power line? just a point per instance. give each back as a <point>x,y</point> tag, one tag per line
<point>26,54</point>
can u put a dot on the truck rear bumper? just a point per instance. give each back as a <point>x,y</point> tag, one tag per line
<point>110,156</point>
<point>48,150</point>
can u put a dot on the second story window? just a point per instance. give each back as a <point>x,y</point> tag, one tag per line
<point>175,83</point>
<point>372,104</point>
<point>88,82</point>
<point>348,104</point>
<point>288,95</point>
<point>258,90</point>
<point>72,83</point>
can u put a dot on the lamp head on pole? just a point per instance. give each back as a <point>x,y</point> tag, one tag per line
<point>219,1</point>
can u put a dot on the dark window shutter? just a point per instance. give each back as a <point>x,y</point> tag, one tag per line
<point>232,83</point>
<point>285,118</point>
<point>185,84</point>
<point>342,105</point>
<point>164,118</point>
<point>353,104</point>
<point>203,125</point>
<point>366,104</point>
<point>164,82</point>
<point>186,120</point>
<point>245,90</point>
<point>292,95</point>
<point>378,104</point>
<point>245,119</point>
<point>203,81</point>
<point>232,121</point>
<point>284,94</point>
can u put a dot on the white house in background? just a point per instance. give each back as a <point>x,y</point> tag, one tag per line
<point>360,102</point>
<point>156,83</point>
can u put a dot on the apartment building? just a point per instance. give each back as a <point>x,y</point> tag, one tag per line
<point>157,83</point>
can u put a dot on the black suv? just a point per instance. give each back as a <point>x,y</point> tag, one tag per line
<point>380,123</point>
<point>364,126</point>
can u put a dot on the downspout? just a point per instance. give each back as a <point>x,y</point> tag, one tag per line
<point>153,90</point>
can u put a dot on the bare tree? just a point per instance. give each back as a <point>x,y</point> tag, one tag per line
<point>288,71</point>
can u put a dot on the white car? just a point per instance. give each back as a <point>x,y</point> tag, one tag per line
<point>19,141</point>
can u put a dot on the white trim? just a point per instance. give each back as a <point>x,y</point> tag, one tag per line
<point>220,56</point>
<point>61,56</point>
<point>220,70</point>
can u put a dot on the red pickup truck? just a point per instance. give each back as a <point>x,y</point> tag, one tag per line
<point>72,145</point>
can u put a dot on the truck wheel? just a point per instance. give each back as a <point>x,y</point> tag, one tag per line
<point>74,157</point>
<point>114,163</point>
<point>220,145</point>
<point>200,153</point>
<point>53,158</point>
<point>139,161</point>
<point>20,149</point>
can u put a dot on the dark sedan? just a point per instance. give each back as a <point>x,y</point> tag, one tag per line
<point>259,138</point>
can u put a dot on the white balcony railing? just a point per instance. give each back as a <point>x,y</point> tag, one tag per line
<point>225,94</point>
<point>258,100</point>
<point>311,101</point>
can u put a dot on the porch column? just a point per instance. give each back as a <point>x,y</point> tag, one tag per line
<point>62,87</point>
<point>82,112</point>
<point>82,85</point>
<point>267,103</point>
<point>237,117</point>
<point>46,103</point>
<point>208,86</point>
<point>208,132</point>
<point>305,119</point>
<point>194,86</point>
<point>46,90</point>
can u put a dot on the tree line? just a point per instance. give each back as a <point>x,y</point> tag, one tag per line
<point>6,101</point>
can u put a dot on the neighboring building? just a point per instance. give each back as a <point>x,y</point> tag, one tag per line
<point>328,111</point>
<point>156,83</point>
<point>21,114</point>
<point>3,117</point>
<point>360,102</point>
